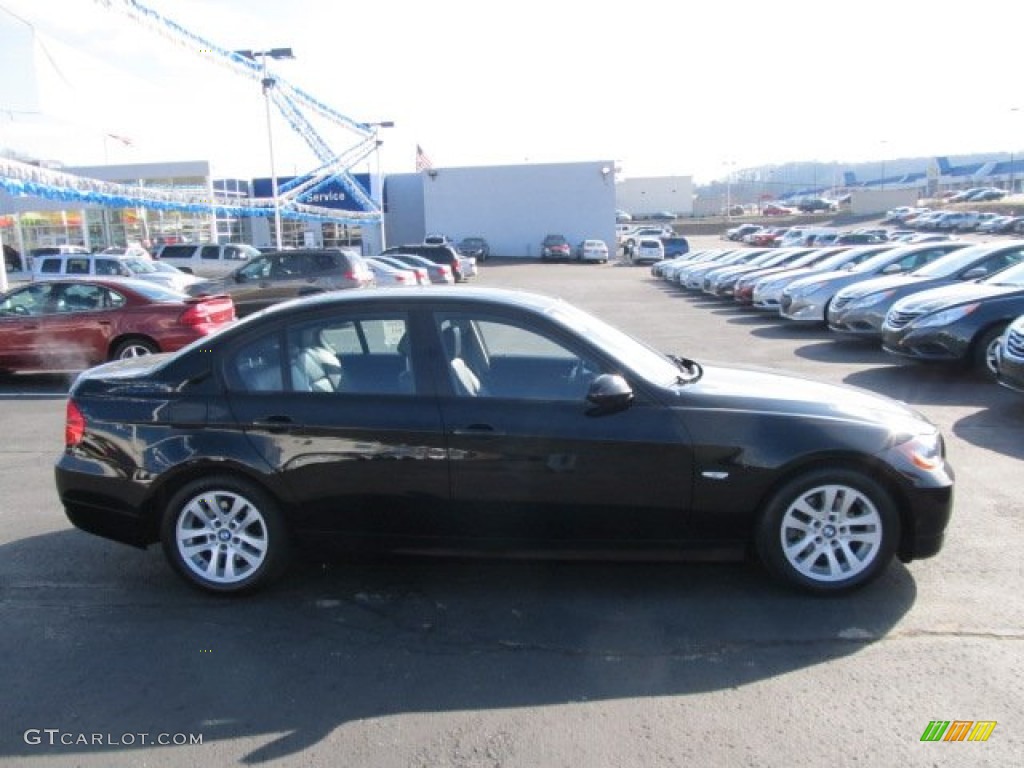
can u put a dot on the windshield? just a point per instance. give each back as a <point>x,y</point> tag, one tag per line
<point>641,359</point>
<point>156,291</point>
<point>954,262</point>
<point>1012,277</point>
<point>140,267</point>
<point>880,260</point>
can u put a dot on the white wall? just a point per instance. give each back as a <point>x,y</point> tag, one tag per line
<point>865,201</point>
<point>514,206</point>
<point>645,196</point>
<point>403,214</point>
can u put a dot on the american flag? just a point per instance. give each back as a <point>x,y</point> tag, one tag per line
<point>422,161</point>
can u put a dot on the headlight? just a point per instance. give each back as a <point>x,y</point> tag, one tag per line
<point>945,317</point>
<point>870,300</point>
<point>925,452</point>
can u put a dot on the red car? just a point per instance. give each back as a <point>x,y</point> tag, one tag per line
<point>771,209</point>
<point>766,237</point>
<point>76,324</point>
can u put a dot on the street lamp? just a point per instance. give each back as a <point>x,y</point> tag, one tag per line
<point>268,83</point>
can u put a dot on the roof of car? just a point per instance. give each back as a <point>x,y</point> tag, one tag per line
<point>416,295</point>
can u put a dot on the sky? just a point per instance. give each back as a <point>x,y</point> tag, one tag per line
<point>658,88</point>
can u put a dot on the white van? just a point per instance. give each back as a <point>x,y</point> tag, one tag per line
<point>206,260</point>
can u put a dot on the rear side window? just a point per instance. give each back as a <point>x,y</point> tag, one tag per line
<point>210,252</point>
<point>177,251</point>
<point>50,267</point>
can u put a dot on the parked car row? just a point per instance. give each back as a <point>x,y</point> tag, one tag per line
<point>949,301</point>
<point>928,220</point>
<point>82,308</point>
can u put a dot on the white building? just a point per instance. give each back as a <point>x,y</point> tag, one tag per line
<point>512,206</point>
<point>655,194</point>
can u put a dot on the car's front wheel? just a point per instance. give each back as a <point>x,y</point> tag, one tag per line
<point>224,534</point>
<point>829,531</point>
<point>986,351</point>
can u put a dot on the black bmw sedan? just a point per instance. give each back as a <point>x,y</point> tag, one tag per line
<point>489,422</point>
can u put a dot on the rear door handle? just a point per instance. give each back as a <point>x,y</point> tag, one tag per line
<point>478,430</point>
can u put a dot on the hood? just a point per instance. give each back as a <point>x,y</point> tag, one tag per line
<point>958,293</point>
<point>756,390</point>
<point>876,284</point>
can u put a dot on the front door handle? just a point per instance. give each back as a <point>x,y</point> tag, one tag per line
<point>276,423</point>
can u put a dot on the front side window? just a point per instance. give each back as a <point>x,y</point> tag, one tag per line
<point>31,300</point>
<point>501,358</point>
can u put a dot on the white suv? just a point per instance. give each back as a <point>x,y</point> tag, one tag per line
<point>60,265</point>
<point>648,249</point>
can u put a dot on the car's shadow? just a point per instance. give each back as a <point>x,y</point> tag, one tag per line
<point>920,384</point>
<point>843,350</point>
<point>35,386</point>
<point>343,641</point>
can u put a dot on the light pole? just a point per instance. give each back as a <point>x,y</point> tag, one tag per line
<point>268,83</point>
<point>378,198</point>
<point>883,142</point>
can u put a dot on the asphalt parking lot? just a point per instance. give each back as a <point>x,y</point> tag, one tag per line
<point>453,663</point>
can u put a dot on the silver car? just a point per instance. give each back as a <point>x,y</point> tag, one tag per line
<point>806,300</point>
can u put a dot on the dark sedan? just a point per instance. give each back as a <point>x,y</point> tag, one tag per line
<point>1010,356</point>
<point>489,421</point>
<point>956,323</point>
<point>860,309</point>
<point>74,324</point>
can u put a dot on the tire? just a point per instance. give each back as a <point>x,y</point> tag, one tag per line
<point>198,535</point>
<point>134,347</point>
<point>828,531</point>
<point>983,355</point>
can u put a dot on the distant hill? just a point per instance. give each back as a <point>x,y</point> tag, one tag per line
<point>750,184</point>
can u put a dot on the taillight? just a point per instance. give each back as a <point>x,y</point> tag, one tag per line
<point>74,425</point>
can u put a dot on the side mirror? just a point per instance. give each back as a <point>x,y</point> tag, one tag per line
<point>974,274</point>
<point>608,393</point>
<point>892,269</point>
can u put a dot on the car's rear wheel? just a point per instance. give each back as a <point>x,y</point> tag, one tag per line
<point>224,534</point>
<point>828,531</point>
<point>136,347</point>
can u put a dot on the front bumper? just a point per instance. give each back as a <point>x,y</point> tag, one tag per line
<point>1010,371</point>
<point>809,309</point>
<point>924,344</point>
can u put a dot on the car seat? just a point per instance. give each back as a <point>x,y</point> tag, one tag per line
<point>316,369</point>
<point>466,382</point>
